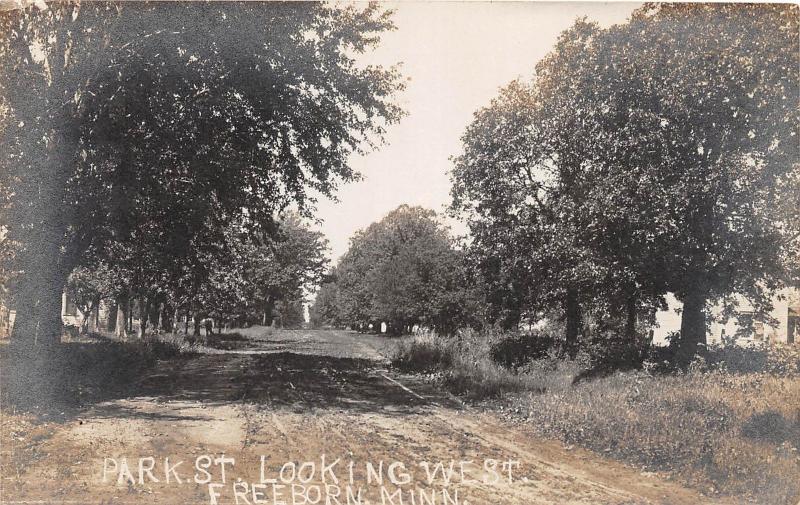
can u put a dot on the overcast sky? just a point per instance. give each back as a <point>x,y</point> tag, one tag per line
<point>456,55</point>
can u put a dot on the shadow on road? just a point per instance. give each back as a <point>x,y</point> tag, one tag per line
<point>93,375</point>
<point>283,380</point>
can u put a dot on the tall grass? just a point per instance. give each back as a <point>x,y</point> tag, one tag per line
<point>463,364</point>
<point>729,425</point>
<point>708,428</point>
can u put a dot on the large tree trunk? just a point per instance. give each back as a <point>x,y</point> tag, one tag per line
<point>121,326</point>
<point>574,323</point>
<point>511,319</point>
<point>46,263</point>
<point>693,325</point>
<point>51,326</point>
<point>94,316</point>
<point>86,317</point>
<point>89,316</point>
<point>37,324</point>
<point>24,330</point>
<point>269,308</point>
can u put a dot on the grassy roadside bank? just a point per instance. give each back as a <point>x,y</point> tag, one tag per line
<point>727,426</point>
<point>81,372</point>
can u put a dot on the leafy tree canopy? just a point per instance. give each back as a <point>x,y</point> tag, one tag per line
<point>155,126</point>
<point>656,156</point>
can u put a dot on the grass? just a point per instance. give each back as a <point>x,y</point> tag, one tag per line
<point>79,373</point>
<point>707,428</point>
<point>462,364</point>
<point>730,425</point>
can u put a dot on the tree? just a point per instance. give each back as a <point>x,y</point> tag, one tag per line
<point>399,271</point>
<point>644,159</point>
<point>713,118</point>
<point>87,288</point>
<point>278,270</point>
<point>518,185</point>
<point>128,144</point>
<point>325,309</point>
<point>488,181</point>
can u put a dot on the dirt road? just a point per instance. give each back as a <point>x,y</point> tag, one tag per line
<point>306,417</point>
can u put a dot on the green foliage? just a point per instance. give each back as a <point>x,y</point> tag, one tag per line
<point>325,309</point>
<point>402,270</point>
<point>655,156</point>
<point>144,157</point>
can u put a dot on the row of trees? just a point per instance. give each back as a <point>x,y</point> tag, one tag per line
<point>657,156</point>
<point>141,142</point>
<point>652,157</point>
<point>250,279</point>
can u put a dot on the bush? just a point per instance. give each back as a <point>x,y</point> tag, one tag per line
<point>774,359</point>
<point>517,350</point>
<point>611,350</point>
<point>772,426</point>
<point>462,363</point>
<point>479,379</point>
<point>424,353</point>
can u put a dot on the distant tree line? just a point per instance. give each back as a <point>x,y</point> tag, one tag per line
<point>656,156</point>
<point>248,279</point>
<point>403,271</point>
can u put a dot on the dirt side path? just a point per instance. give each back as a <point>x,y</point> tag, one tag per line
<point>304,397</point>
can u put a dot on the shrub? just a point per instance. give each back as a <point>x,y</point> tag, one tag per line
<point>424,353</point>
<point>772,426</point>
<point>614,351</point>
<point>775,359</point>
<point>462,362</point>
<point>478,379</point>
<point>518,349</point>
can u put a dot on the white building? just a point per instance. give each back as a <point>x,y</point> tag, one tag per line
<point>786,313</point>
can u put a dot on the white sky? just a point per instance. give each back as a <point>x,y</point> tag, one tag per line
<point>457,55</point>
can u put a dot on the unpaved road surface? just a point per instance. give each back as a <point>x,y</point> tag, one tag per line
<point>298,400</point>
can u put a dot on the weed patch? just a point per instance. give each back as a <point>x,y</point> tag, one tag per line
<point>729,425</point>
